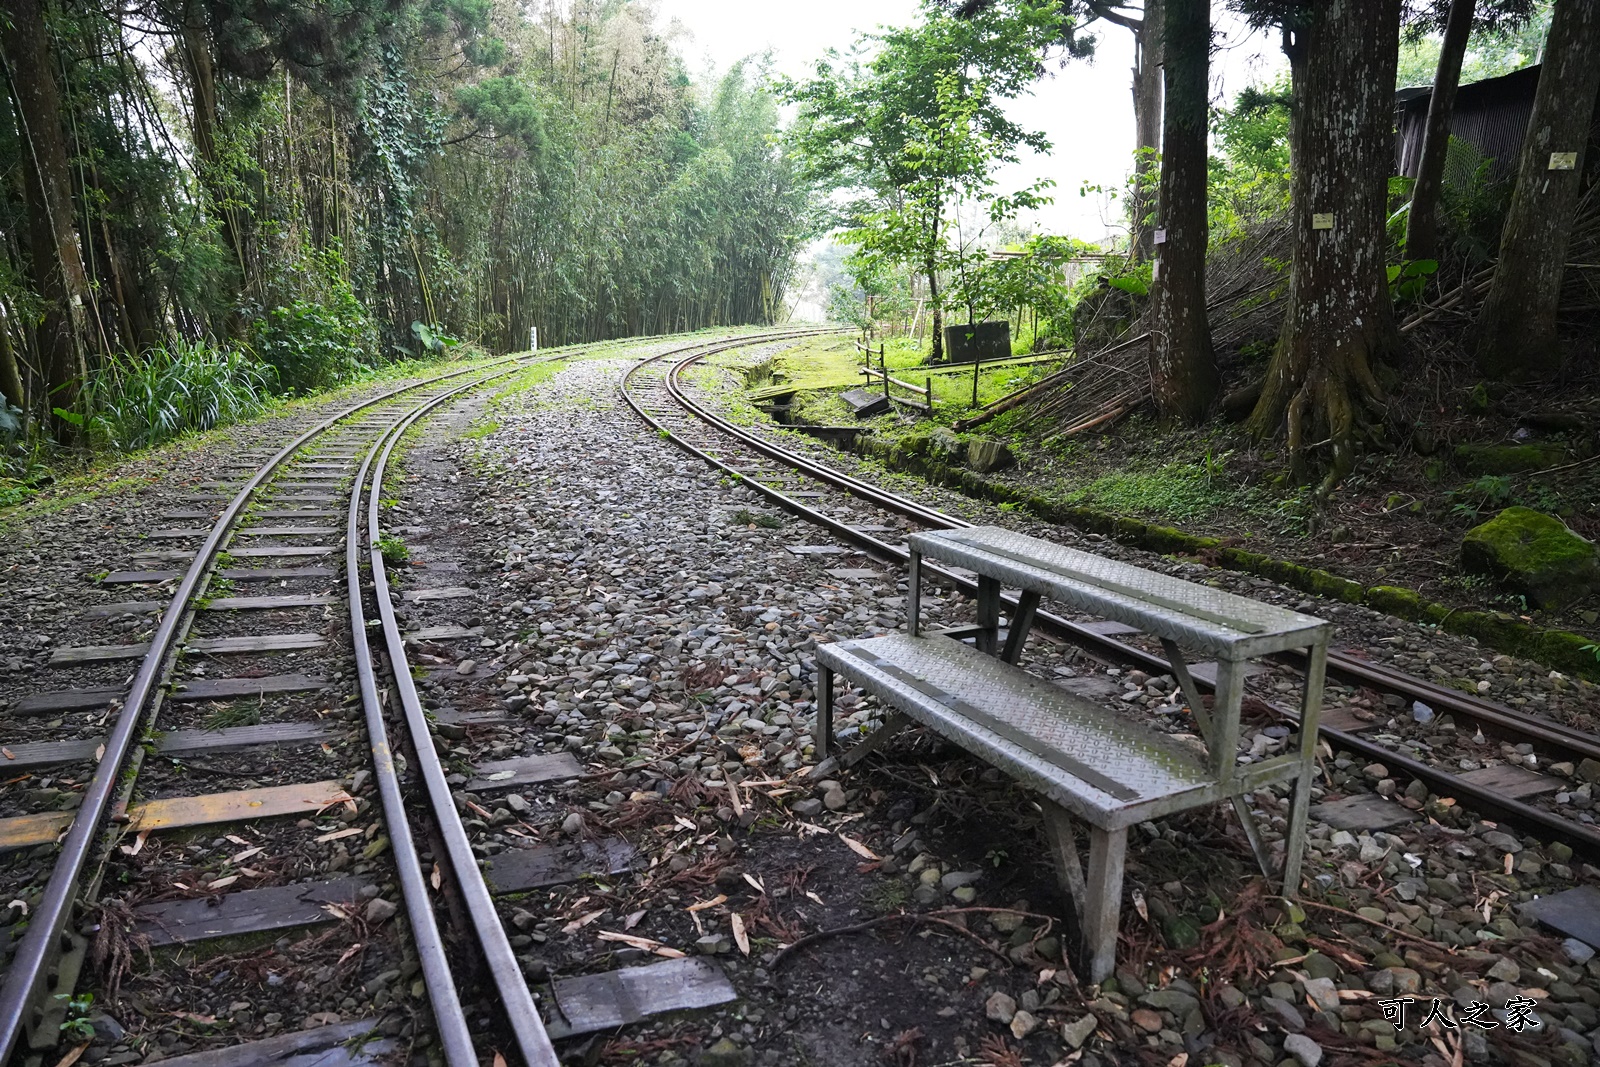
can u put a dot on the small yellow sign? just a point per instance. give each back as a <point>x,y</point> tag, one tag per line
<point>1563,161</point>
<point>1322,220</point>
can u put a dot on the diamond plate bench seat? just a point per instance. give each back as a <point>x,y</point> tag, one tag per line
<point>1089,763</point>
<point>1102,767</point>
<point>1213,621</point>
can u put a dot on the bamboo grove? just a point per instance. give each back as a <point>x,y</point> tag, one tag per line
<point>298,190</point>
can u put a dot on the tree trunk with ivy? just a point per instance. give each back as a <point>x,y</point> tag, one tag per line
<point>1147,111</point>
<point>1183,368</point>
<point>1320,389</point>
<point>1517,331</point>
<point>57,258</point>
<point>211,167</point>
<point>1422,222</point>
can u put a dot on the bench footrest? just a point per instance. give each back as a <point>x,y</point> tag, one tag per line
<point>1103,768</point>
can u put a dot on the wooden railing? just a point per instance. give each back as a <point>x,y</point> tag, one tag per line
<point>924,392</point>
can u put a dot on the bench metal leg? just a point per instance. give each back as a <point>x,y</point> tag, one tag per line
<point>1191,692</point>
<point>1058,830</point>
<point>1021,623</point>
<point>1241,807</point>
<point>1223,744</point>
<point>875,740</point>
<point>1310,716</point>
<point>988,613</point>
<point>824,738</point>
<point>1102,903</point>
<point>914,593</point>
<point>1095,898</point>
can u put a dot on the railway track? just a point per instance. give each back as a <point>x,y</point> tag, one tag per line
<point>1411,751</point>
<point>215,797</point>
<point>291,767</point>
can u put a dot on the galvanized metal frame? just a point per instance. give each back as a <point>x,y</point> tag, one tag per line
<point>1197,616</point>
<point>1231,628</point>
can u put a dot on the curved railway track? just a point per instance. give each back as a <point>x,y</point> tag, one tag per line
<point>174,707</point>
<point>153,759</point>
<point>831,499</point>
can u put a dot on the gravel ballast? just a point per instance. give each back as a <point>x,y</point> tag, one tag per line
<point>647,617</point>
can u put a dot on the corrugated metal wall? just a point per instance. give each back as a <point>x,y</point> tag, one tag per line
<point>1491,114</point>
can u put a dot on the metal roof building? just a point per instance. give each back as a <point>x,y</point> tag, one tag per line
<point>1491,114</point>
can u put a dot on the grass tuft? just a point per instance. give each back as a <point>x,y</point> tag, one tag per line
<point>394,550</point>
<point>746,517</point>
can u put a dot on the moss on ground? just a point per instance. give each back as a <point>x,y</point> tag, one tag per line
<point>1510,459</point>
<point>1183,491</point>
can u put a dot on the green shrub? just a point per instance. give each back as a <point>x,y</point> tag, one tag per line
<point>23,470</point>
<point>1472,202</point>
<point>137,401</point>
<point>312,346</point>
<point>320,337</point>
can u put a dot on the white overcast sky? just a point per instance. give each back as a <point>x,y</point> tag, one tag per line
<point>1085,109</point>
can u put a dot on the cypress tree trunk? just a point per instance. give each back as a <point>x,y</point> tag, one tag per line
<point>1319,387</point>
<point>1147,52</point>
<point>1183,369</point>
<point>1517,333</point>
<point>1422,223</point>
<point>57,258</point>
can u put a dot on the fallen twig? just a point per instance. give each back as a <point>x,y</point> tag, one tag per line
<point>1424,942</point>
<point>1109,413</point>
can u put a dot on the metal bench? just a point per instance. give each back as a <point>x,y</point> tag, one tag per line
<point>1088,763</point>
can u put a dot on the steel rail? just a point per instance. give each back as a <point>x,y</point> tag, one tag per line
<point>516,1000</point>
<point>1569,743</point>
<point>1480,798</point>
<point>450,1022</point>
<point>39,942</point>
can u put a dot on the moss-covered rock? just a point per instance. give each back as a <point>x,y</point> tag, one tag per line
<point>1510,459</point>
<point>946,447</point>
<point>1402,603</point>
<point>1534,554</point>
<point>911,451</point>
<point>985,454</point>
